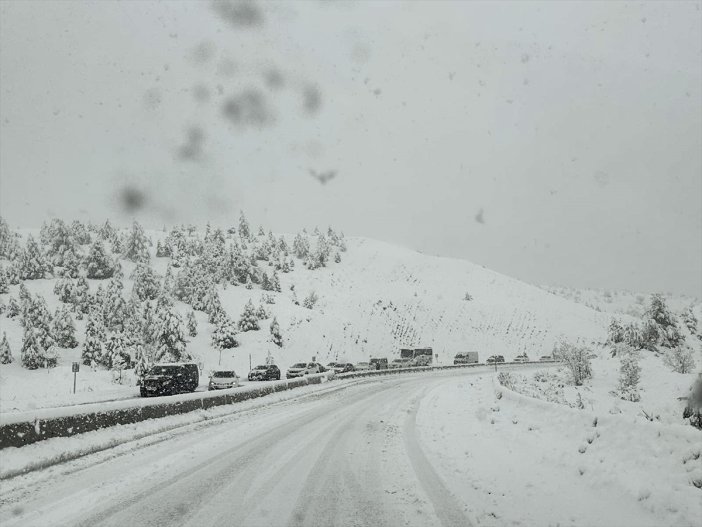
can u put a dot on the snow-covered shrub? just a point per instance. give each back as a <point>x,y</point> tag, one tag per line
<point>467,297</point>
<point>576,359</point>
<point>4,281</point>
<point>689,319</point>
<point>629,374</point>
<point>680,359</point>
<point>32,264</point>
<point>506,379</point>
<point>136,246</point>
<point>310,300</point>
<point>693,409</point>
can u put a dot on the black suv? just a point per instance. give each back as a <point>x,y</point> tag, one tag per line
<point>378,364</point>
<point>264,372</point>
<point>169,379</point>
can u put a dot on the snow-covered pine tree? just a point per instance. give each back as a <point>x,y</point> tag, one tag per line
<point>680,359</point>
<point>146,283</point>
<point>32,264</point>
<point>275,282</point>
<point>213,306</point>
<point>192,324</point>
<point>323,251</point>
<point>265,282</point>
<point>61,246</point>
<point>80,233</point>
<point>249,285</point>
<point>32,352</point>
<point>249,319</point>
<point>114,308</point>
<point>169,335</point>
<point>94,338</point>
<point>136,246</point>
<point>660,327</point>
<point>261,313</point>
<point>276,336</point>
<point>143,356</point>
<point>63,289</point>
<point>615,333</point>
<point>107,231</point>
<point>63,329</point>
<point>99,265</point>
<point>244,229</point>
<point>115,350</point>
<point>4,282</point>
<point>162,250</point>
<point>301,246</point>
<point>13,308</point>
<point>13,272</point>
<point>5,351</point>
<point>117,246</point>
<point>80,296</point>
<point>6,238</point>
<point>224,334</point>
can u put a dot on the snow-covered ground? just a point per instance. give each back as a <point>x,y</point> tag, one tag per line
<point>416,450</point>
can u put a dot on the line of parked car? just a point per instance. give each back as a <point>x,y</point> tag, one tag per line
<point>168,379</point>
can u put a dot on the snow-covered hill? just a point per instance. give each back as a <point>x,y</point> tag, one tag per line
<point>377,299</point>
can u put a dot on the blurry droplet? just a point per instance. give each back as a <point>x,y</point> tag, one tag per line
<point>248,108</point>
<point>274,78</point>
<point>202,53</point>
<point>201,93</point>
<point>312,99</point>
<point>238,14</point>
<point>479,217</point>
<point>192,149</point>
<point>131,199</point>
<point>525,58</point>
<point>152,98</point>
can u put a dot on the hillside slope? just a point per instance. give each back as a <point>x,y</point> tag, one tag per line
<point>377,299</point>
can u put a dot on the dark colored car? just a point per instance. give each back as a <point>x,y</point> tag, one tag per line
<point>379,364</point>
<point>495,359</point>
<point>169,379</point>
<point>343,367</point>
<point>264,372</point>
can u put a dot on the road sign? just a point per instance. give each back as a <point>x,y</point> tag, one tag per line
<point>76,367</point>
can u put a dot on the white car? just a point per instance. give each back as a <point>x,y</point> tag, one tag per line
<point>521,358</point>
<point>223,379</point>
<point>400,363</point>
<point>302,368</point>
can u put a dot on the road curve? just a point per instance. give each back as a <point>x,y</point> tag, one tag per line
<point>351,457</point>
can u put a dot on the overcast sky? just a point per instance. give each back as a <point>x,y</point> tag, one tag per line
<point>559,143</point>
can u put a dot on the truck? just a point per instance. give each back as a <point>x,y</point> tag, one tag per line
<point>468,357</point>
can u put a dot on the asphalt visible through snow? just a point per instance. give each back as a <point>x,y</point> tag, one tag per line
<point>351,457</point>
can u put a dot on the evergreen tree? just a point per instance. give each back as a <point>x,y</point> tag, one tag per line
<point>244,230</point>
<point>261,313</point>
<point>249,319</point>
<point>310,300</point>
<point>99,265</point>
<point>192,324</point>
<point>63,329</point>
<point>213,306</point>
<point>680,359</point>
<point>61,247</point>
<point>275,282</point>
<point>80,233</point>
<point>80,296</point>
<point>136,246</point>
<point>146,284</point>
<point>13,308</point>
<point>249,285</point>
<point>37,317</point>
<point>169,336</point>
<point>162,250</point>
<point>276,336</point>
<point>6,239</point>
<point>94,337</point>
<point>115,352</point>
<point>63,289</point>
<point>4,282</point>
<point>32,265</point>
<point>323,251</point>
<point>301,246</point>
<point>13,272</point>
<point>107,232</point>
<point>114,307</point>
<point>224,334</point>
<point>5,352</point>
<point>265,282</point>
<point>32,352</point>
<point>144,359</point>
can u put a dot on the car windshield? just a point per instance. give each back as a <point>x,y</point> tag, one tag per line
<point>261,368</point>
<point>224,374</point>
<point>165,370</point>
<point>299,365</point>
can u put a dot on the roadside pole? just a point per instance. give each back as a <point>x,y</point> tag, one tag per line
<point>250,362</point>
<point>74,368</point>
<point>220,357</point>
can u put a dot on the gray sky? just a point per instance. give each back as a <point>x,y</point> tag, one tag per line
<point>575,128</point>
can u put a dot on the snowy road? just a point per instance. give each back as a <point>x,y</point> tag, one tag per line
<point>359,455</point>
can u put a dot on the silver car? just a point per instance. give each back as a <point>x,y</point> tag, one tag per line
<point>223,379</point>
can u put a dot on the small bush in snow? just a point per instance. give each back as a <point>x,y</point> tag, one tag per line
<point>629,374</point>
<point>506,380</point>
<point>5,352</point>
<point>576,360</point>
<point>310,300</point>
<point>468,297</point>
<point>680,359</point>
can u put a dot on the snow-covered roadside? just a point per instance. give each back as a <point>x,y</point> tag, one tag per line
<point>15,461</point>
<point>510,459</point>
<point>660,389</point>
